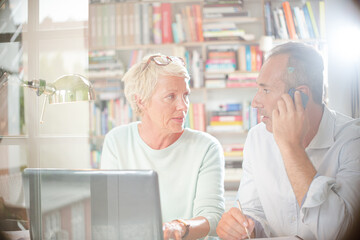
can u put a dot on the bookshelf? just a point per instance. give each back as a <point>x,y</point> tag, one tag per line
<point>220,44</point>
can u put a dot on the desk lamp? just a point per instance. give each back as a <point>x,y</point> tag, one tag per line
<point>65,89</point>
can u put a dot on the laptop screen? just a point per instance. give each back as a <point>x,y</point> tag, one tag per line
<point>93,204</point>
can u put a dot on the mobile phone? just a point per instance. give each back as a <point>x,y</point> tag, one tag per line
<point>304,97</point>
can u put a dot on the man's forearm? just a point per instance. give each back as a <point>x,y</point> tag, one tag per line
<point>299,169</point>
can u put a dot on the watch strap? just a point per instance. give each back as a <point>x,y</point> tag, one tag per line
<point>187,227</point>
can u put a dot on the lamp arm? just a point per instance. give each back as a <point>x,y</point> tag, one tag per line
<point>40,86</point>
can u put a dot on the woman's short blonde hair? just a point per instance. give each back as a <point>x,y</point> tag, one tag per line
<point>141,79</point>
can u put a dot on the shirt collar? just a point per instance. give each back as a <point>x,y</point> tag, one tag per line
<point>324,137</point>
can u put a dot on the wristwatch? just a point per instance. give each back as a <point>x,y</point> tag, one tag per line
<point>187,227</point>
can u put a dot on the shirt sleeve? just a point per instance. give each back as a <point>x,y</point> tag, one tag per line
<point>209,201</point>
<point>332,203</point>
<point>248,196</point>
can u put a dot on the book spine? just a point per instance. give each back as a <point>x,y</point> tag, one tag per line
<point>322,19</point>
<point>119,24</point>
<point>268,22</point>
<point>166,23</point>
<point>92,26</point>
<point>248,58</point>
<point>179,27</point>
<point>198,20</point>
<point>289,20</point>
<point>191,23</point>
<point>312,18</point>
<point>283,28</point>
<point>145,24</point>
<point>137,23</point>
<point>157,23</point>
<point>308,22</point>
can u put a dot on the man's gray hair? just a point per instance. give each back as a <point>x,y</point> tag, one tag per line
<point>305,67</point>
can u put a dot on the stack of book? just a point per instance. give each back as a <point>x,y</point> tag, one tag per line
<point>224,9</point>
<point>105,64</point>
<point>105,71</point>
<point>215,80</point>
<point>108,114</point>
<point>250,116</point>
<point>250,58</point>
<point>233,151</point>
<point>220,18</point>
<point>295,22</point>
<point>242,79</point>
<point>221,61</point>
<point>195,118</point>
<point>227,119</point>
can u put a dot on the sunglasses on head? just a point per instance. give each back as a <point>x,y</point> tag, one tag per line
<point>162,60</point>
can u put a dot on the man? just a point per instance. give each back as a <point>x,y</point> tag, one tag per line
<point>301,165</point>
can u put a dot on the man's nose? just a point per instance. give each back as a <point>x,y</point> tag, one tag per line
<point>256,101</point>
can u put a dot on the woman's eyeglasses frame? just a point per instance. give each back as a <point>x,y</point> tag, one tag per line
<point>168,58</point>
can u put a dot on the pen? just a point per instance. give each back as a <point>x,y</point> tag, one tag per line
<point>247,232</point>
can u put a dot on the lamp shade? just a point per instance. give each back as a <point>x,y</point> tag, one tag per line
<point>71,88</point>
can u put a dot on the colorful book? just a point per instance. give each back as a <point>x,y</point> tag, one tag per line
<point>157,34</point>
<point>248,58</point>
<point>119,24</point>
<point>268,22</point>
<point>308,22</point>
<point>313,20</point>
<point>289,20</point>
<point>198,22</point>
<point>166,23</point>
<point>283,29</point>
<point>146,26</point>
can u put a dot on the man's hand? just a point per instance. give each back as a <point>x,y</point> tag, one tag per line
<point>289,129</point>
<point>288,122</point>
<point>232,225</point>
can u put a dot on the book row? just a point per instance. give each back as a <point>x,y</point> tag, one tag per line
<point>306,21</point>
<point>243,58</point>
<point>133,23</point>
<point>118,24</point>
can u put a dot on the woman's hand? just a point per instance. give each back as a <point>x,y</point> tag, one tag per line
<point>173,230</point>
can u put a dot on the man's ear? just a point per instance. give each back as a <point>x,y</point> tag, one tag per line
<point>305,89</point>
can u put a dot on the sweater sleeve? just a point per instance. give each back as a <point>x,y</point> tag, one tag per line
<point>209,201</point>
<point>108,155</point>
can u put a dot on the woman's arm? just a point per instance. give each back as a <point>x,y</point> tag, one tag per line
<point>194,228</point>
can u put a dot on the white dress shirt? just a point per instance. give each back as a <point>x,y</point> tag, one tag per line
<point>333,198</point>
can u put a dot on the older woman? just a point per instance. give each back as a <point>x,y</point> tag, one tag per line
<point>189,163</point>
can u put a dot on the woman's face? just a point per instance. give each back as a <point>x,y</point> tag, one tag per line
<point>167,108</point>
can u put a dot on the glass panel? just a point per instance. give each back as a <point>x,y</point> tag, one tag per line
<point>68,57</point>
<point>67,152</point>
<point>65,14</point>
<point>12,17</point>
<point>13,159</point>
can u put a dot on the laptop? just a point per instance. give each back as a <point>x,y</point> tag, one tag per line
<point>93,204</point>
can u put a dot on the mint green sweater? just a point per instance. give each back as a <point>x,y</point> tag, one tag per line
<point>191,171</point>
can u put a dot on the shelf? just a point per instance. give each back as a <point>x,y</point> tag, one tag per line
<point>233,19</point>
<point>171,45</point>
